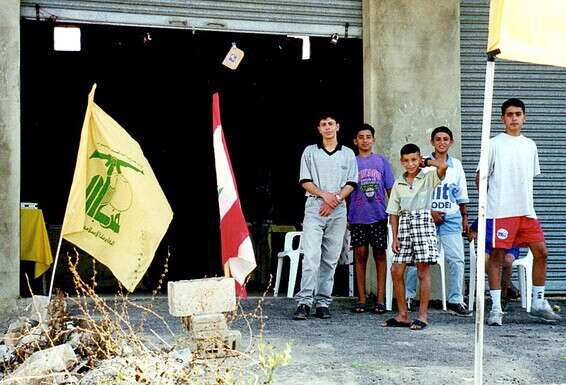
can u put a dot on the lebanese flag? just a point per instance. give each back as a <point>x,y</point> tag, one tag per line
<point>237,251</point>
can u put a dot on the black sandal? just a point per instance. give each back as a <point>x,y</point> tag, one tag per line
<point>393,323</point>
<point>379,308</point>
<point>359,308</point>
<point>417,324</point>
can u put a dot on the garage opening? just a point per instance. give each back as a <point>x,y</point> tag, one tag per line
<point>159,89</point>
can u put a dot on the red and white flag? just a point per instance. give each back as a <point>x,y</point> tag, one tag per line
<point>237,251</point>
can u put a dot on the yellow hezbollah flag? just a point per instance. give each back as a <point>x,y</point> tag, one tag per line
<point>528,31</point>
<point>116,211</point>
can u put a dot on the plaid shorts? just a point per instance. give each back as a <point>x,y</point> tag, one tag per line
<point>417,236</point>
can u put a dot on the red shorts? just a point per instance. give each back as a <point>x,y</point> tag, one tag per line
<point>514,231</point>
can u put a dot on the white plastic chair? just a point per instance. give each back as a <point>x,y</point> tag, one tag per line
<point>294,254</point>
<point>525,270</point>
<point>351,273</point>
<point>442,265</point>
<point>389,283</point>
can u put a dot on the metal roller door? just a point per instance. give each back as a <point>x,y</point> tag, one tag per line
<point>543,89</point>
<point>310,17</point>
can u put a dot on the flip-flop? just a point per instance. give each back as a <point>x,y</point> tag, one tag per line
<point>379,308</point>
<point>393,323</point>
<point>359,308</point>
<point>417,324</point>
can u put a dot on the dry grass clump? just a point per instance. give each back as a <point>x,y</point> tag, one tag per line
<point>111,348</point>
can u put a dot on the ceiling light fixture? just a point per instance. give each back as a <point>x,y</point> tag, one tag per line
<point>306,51</point>
<point>67,39</point>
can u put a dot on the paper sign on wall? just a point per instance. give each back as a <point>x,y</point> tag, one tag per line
<point>233,57</point>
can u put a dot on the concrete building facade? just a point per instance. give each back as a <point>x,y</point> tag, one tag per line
<point>411,54</point>
<point>9,152</point>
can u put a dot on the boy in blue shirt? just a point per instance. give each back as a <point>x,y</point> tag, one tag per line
<point>451,218</point>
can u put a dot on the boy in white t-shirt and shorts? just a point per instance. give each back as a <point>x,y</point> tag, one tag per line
<point>513,163</point>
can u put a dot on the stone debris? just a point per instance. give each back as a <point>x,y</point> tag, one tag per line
<point>6,354</point>
<point>33,336</point>
<point>17,329</point>
<point>39,307</point>
<point>42,364</point>
<point>79,356</point>
<point>136,370</point>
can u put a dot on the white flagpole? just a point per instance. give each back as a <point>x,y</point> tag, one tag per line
<point>480,253</point>
<point>55,266</point>
<point>90,100</point>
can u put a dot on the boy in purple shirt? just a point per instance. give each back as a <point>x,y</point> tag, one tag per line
<point>367,218</point>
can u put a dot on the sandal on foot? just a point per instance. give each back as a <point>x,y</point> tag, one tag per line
<point>393,323</point>
<point>379,308</point>
<point>417,324</point>
<point>359,308</point>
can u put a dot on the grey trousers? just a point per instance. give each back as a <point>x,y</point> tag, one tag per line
<point>321,242</point>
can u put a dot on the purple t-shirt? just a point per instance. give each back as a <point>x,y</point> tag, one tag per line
<point>368,201</point>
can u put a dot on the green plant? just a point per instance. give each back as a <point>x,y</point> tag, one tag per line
<point>270,359</point>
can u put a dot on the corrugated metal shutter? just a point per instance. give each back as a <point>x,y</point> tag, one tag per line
<point>543,89</point>
<point>310,17</point>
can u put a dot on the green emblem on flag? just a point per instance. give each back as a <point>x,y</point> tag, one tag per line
<point>107,198</point>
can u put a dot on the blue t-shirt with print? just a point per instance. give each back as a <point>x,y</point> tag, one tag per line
<point>367,203</point>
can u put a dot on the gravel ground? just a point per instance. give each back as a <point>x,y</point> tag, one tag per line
<point>353,349</point>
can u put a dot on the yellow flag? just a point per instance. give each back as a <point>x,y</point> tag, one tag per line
<point>528,31</point>
<point>116,211</point>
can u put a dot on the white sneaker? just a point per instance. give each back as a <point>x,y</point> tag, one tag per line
<point>544,313</point>
<point>495,318</point>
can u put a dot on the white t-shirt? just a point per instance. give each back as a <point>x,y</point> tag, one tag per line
<point>448,196</point>
<point>513,163</point>
<point>453,190</point>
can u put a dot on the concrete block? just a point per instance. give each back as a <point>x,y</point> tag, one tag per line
<point>233,339</point>
<point>207,322</point>
<point>201,296</point>
<point>211,344</point>
<point>214,341</point>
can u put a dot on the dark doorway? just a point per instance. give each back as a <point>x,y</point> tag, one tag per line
<point>160,90</point>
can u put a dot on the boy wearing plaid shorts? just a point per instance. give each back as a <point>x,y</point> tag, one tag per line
<point>414,233</point>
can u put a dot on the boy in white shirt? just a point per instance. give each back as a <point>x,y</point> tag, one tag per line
<point>450,215</point>
<point>513,163</point>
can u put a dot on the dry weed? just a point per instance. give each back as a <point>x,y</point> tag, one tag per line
<point>112,349</point>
